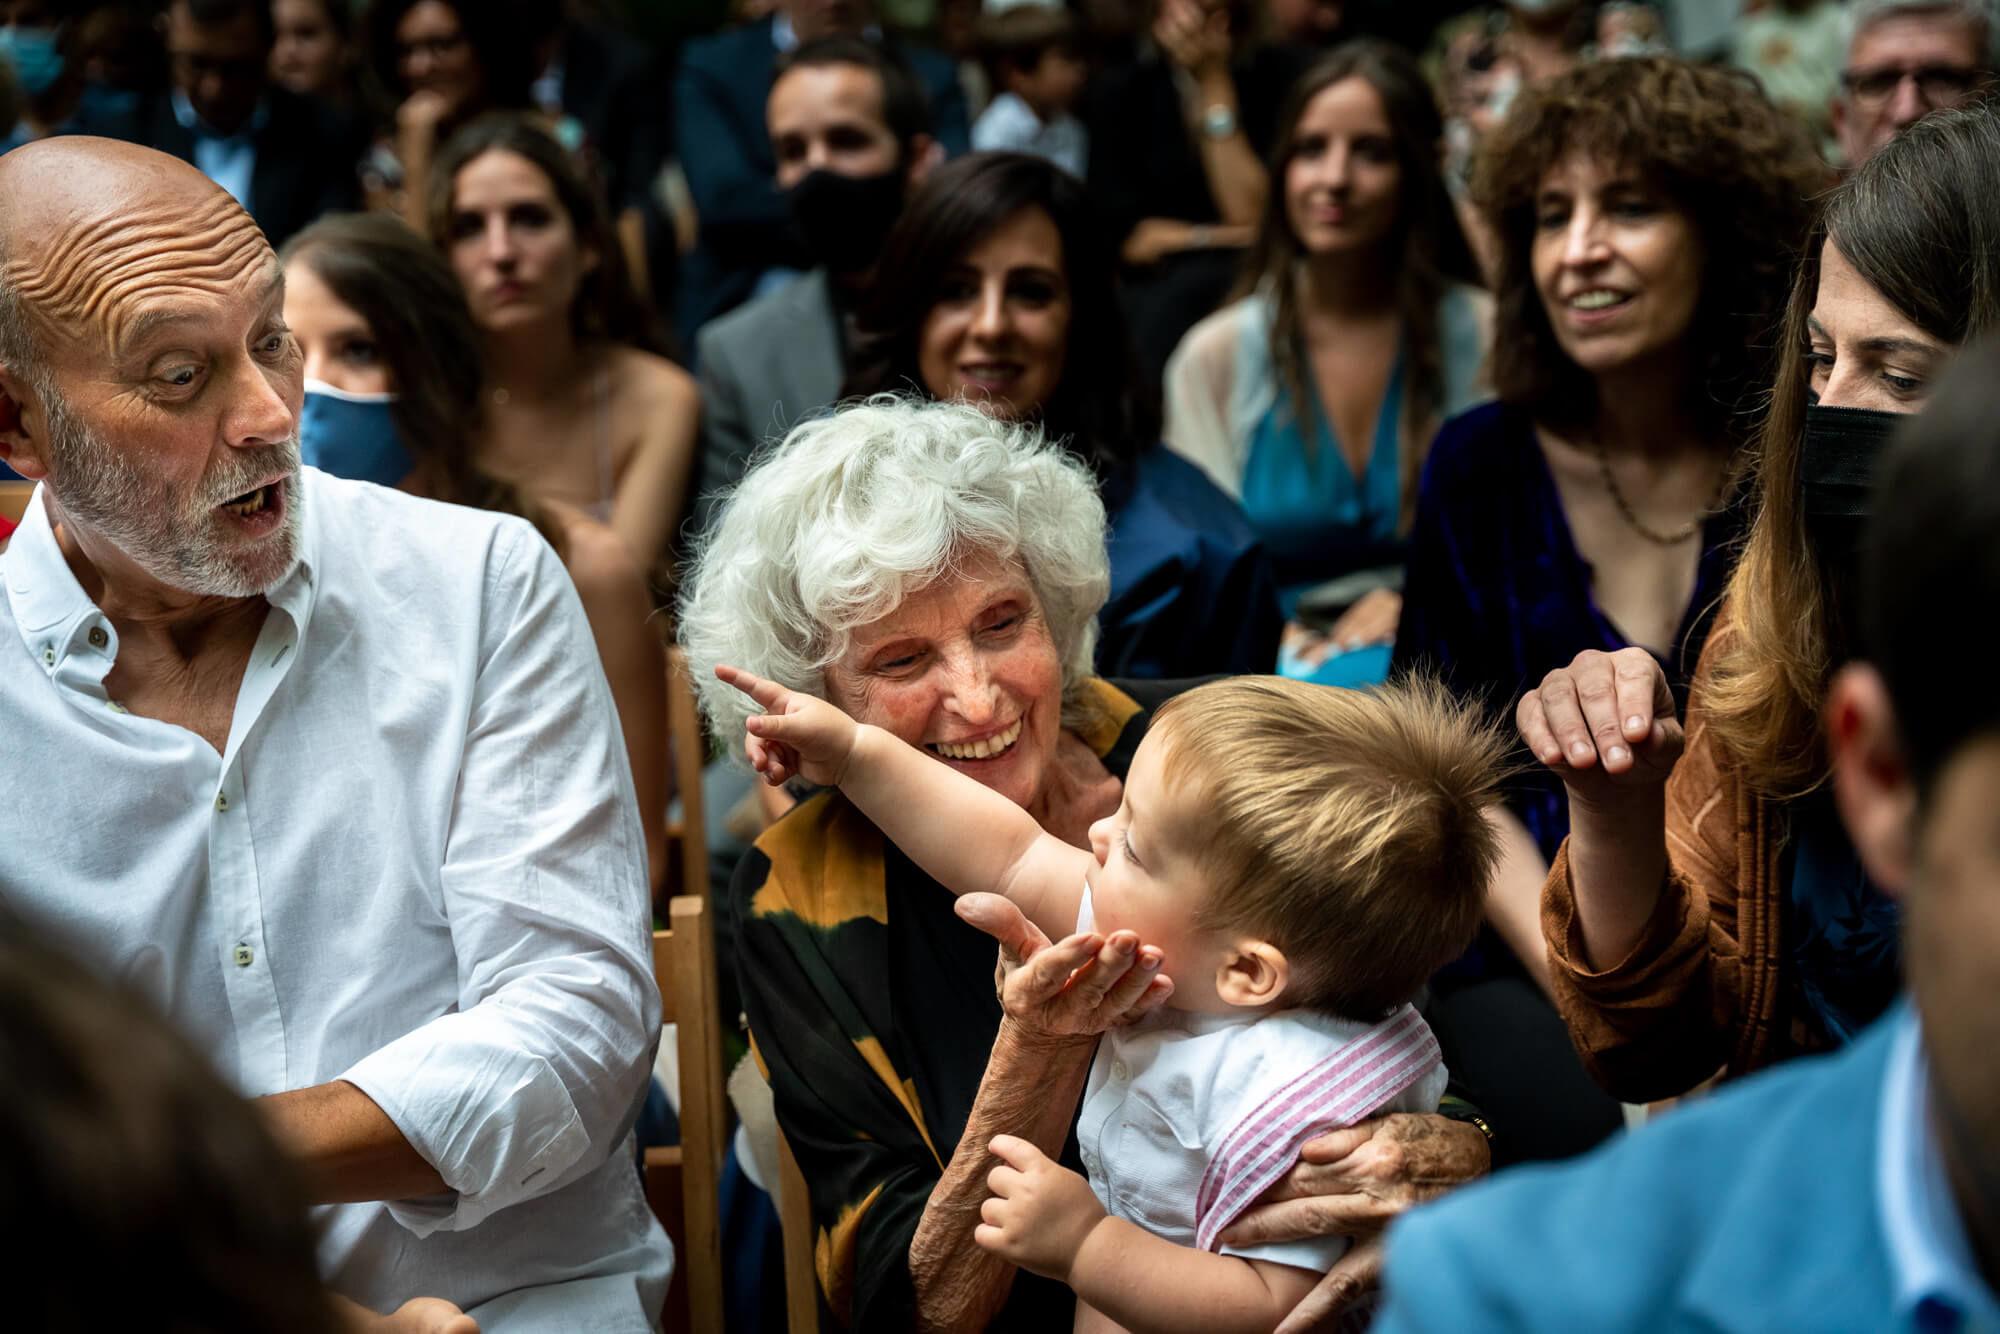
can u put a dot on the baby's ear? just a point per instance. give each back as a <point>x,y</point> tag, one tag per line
<point>1254,975</point>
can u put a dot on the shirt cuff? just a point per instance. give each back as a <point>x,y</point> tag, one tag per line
<point>1679,923</point>
<point>497,1123</point>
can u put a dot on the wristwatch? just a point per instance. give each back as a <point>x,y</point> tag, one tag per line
<point>1218,122</point>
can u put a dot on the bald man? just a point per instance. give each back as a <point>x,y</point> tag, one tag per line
<point>329,772</point>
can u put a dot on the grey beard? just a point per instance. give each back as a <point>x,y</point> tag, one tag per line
<point>175,539</point>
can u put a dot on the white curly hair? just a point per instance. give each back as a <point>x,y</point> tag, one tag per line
<point>852,512</point>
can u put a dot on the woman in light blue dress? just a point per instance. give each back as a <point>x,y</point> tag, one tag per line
<point>1311,398</point>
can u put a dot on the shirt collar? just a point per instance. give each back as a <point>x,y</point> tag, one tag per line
<point>1937,1284</point>
<point>55,617</point>
<point>184,112</point>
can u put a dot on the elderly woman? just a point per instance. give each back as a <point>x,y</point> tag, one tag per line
<point>936,571</point>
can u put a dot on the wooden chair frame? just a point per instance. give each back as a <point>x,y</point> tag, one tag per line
<point>687,838</point>
<point>684,1182</point>
<point>801,1271</point>
<point>14,498</point>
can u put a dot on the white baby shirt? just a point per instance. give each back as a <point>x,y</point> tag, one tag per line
<point>1188,1118</point>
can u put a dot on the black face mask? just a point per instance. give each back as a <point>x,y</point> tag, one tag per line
<point>1837,464</point>
<point>846,217</point>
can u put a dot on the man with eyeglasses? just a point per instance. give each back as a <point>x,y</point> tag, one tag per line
<point>1905,61</point>
<point>286,158</point>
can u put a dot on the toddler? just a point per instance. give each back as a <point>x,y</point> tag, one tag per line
<point>1304,858</point>
<point>1031,50</point>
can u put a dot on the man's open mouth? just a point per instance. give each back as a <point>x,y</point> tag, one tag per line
<point>250,502</point>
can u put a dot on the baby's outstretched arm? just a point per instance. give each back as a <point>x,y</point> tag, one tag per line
<point>968,836</point>
<point>1044,1218</point>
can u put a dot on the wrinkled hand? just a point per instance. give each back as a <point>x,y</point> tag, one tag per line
<point>1194,38</point>
<point>1078,986</point>
<point>1039,1212</point>
<point>1354,1183</point>
<point>1372,620</point>
<point>1605,724</point>
<point>796,733</point>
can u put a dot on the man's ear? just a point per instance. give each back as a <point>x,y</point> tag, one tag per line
<point>926,154</point>
<point>1254,974</point>
<point>1871,780</point>
<point>21,447</point>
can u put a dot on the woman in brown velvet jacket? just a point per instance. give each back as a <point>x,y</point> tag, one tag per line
<point>1707,912</point>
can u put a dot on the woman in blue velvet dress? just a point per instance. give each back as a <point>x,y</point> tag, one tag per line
<point>996,287</point>
<point>1649,215</point>
<point>1311,398</point>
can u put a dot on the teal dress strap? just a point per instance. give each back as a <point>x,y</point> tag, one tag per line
<point>1316,518</point>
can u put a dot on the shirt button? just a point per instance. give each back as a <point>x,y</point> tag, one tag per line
<point>49,655</point>
<point>1119,1070</point>
<point>244,956</point>
<point>98,639</point>
<point>222,801</point>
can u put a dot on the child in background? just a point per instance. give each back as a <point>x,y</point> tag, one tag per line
<point>1303,858</point>
<point>1031,48</point>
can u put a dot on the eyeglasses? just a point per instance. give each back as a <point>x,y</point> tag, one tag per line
<point>437,48</point>
<point>1940,85</point>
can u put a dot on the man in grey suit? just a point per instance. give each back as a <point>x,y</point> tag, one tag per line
<point>852,134</point>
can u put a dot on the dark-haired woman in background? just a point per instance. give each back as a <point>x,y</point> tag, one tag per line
<point>395,395</point>
<point>440,63</point>
<point>996,288</point>
<point>581,409</point>
<point>1311,399</point>
<point>1648,215</point>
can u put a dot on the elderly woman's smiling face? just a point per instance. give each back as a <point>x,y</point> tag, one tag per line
<point>964,668</point>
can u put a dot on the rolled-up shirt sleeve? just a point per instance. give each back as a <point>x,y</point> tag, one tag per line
<point>539,1072</point>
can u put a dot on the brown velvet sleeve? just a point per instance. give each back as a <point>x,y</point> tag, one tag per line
<point>1663,1018</point>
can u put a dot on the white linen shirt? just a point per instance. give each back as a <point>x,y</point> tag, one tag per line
<point>1187,1118</point>
<point>416,866</point>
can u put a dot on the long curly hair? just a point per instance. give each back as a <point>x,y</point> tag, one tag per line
<point>1916,221</point>
<point>1426,248</point>
<point>1708,139</point>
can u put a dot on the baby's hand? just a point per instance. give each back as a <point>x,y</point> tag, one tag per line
<point>1039,1212</point>
<point>797,734</point>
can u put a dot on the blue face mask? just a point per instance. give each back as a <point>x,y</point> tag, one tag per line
<point>33,54</point>
<point>352,435</point>
<point>101,103</point>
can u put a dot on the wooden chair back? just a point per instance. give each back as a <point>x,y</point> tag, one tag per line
<point>14,499</point>
<point>684,1183</point>
<point>795,1217</point>
<point>687,841</point>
